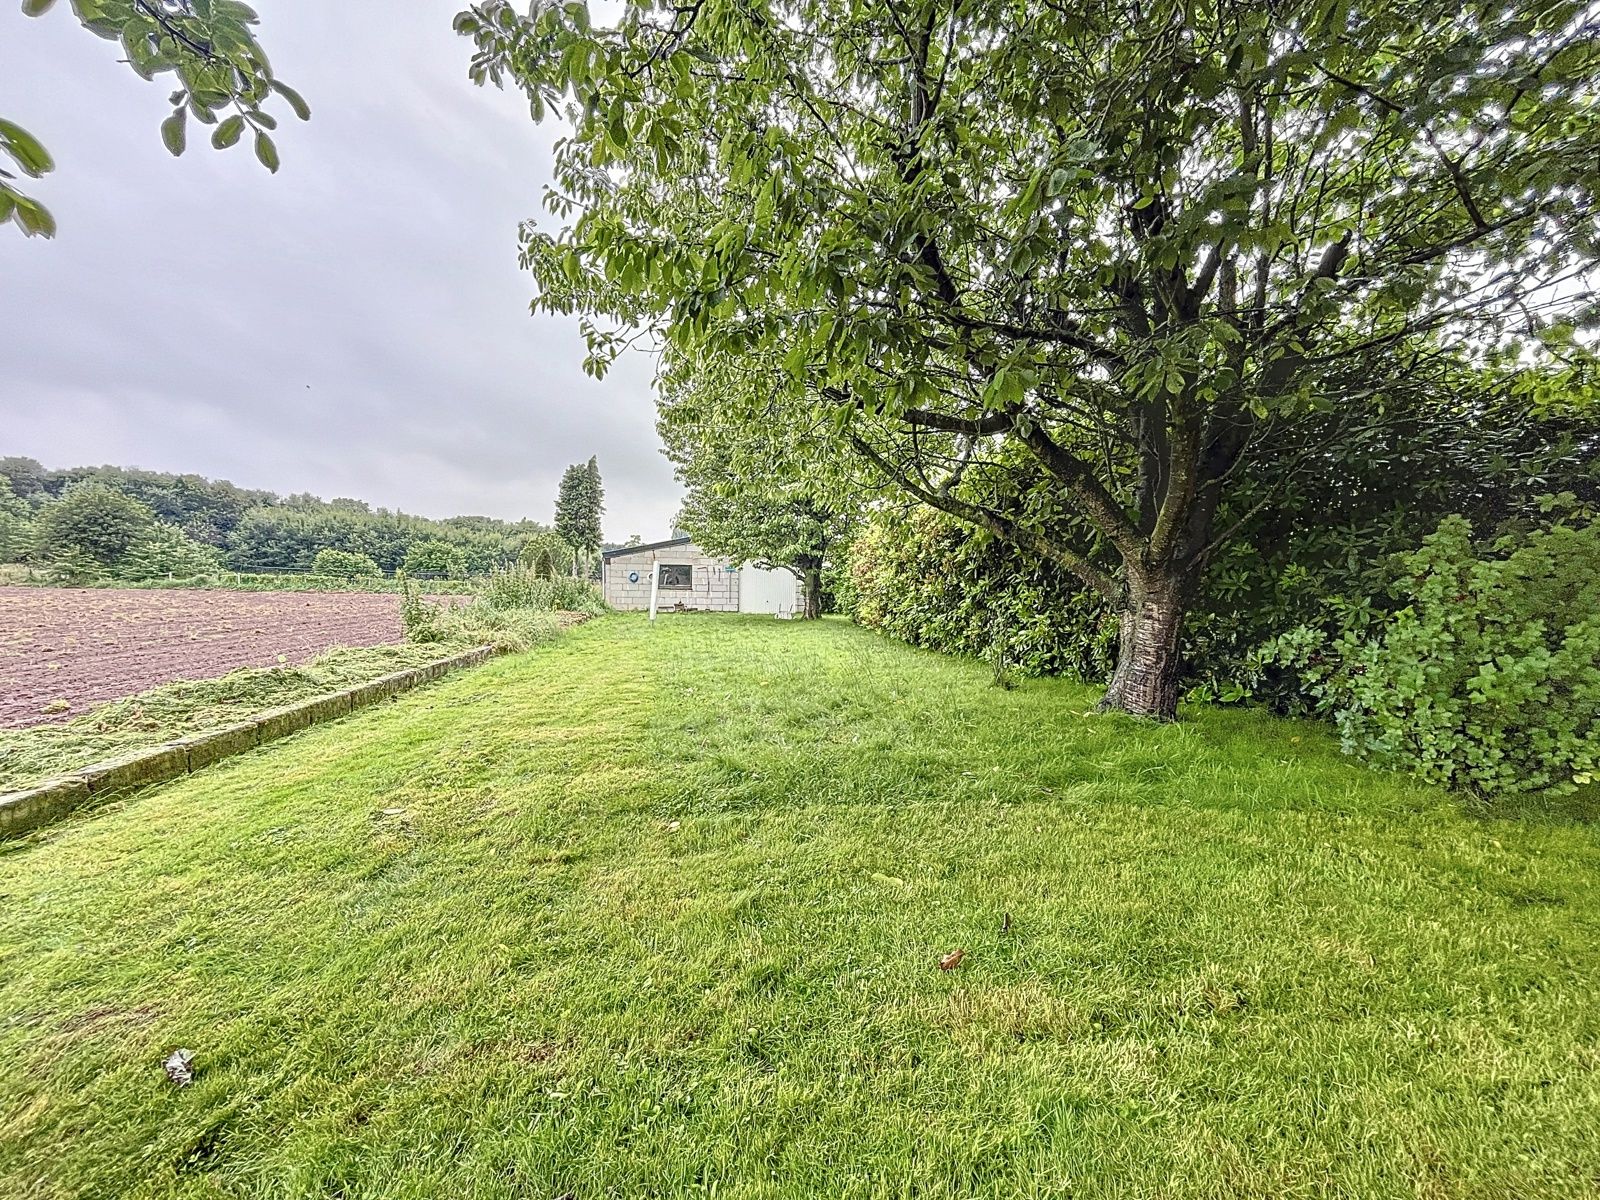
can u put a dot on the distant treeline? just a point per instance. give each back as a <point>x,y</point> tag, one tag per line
<point>253,530</point>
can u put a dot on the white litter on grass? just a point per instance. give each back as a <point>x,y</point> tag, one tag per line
<point>180,1067</point>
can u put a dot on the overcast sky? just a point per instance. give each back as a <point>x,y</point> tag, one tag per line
<point>355,325</point>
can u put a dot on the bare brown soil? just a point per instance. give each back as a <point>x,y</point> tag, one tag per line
<point>87,646</point>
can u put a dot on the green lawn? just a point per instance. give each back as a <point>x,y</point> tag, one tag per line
<point>657,911</point>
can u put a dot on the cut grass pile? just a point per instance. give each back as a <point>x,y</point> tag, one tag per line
<point>658,911</point>
<point>176,710</point>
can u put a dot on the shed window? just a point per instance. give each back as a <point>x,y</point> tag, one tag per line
<point>677,576</point>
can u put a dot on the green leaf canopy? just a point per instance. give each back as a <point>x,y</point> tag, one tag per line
<point>1136,245</point>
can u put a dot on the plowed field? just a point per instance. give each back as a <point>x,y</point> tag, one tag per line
<point>87,646</point>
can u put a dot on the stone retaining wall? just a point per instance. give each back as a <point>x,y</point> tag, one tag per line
<point>24,811</point>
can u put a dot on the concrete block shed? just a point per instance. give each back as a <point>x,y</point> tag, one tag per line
<point>691,580</point>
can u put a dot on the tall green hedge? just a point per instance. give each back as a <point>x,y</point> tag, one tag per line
<point>927,579</point>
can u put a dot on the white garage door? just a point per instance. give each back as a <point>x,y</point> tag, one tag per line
<point>766,591</point>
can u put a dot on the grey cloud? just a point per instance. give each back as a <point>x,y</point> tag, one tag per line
<point>356,325</point>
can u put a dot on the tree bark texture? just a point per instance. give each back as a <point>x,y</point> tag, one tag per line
<point>1148,674</point>
<point>813,584</point>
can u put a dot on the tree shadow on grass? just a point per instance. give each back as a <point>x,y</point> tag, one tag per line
<point>1580,808</point>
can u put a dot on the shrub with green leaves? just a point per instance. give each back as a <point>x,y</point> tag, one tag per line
<point>1488,679</point>
<point>547,554</point>
<point>419,617</point>
<point>515,587</point>
<point>576,595</point>
<point>524,588</point>
<point>16,524</point>
<point>92,521</point>
<point>344,564</point>
<point>73,567</point>
<point>432,557</point>
<point>478,623</point>
<point>927,579</point>
<point>164,551</point>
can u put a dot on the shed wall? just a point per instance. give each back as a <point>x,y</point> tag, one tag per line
<point>715,587</point>
<point>770,590</point>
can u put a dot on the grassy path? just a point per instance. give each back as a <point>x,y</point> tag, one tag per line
<point>657,912</point>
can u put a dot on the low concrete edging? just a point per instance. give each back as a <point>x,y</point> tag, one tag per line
<point>27,810</point>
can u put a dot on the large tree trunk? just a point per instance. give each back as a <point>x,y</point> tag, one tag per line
<point>1146,680</point>
<point>813,582</point>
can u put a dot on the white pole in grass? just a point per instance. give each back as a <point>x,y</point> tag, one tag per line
<point>655,580</point>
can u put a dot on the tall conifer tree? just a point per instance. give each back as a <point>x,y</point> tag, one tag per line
<point>579,506</point>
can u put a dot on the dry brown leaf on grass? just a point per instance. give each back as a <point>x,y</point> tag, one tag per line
<point>952,960</point>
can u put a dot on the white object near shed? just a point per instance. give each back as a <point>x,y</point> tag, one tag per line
<point>688,579</point>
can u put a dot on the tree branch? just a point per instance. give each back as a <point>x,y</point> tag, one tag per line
<point>1099,505</point>
<point>983,426</point>
<point>1002,527</point>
